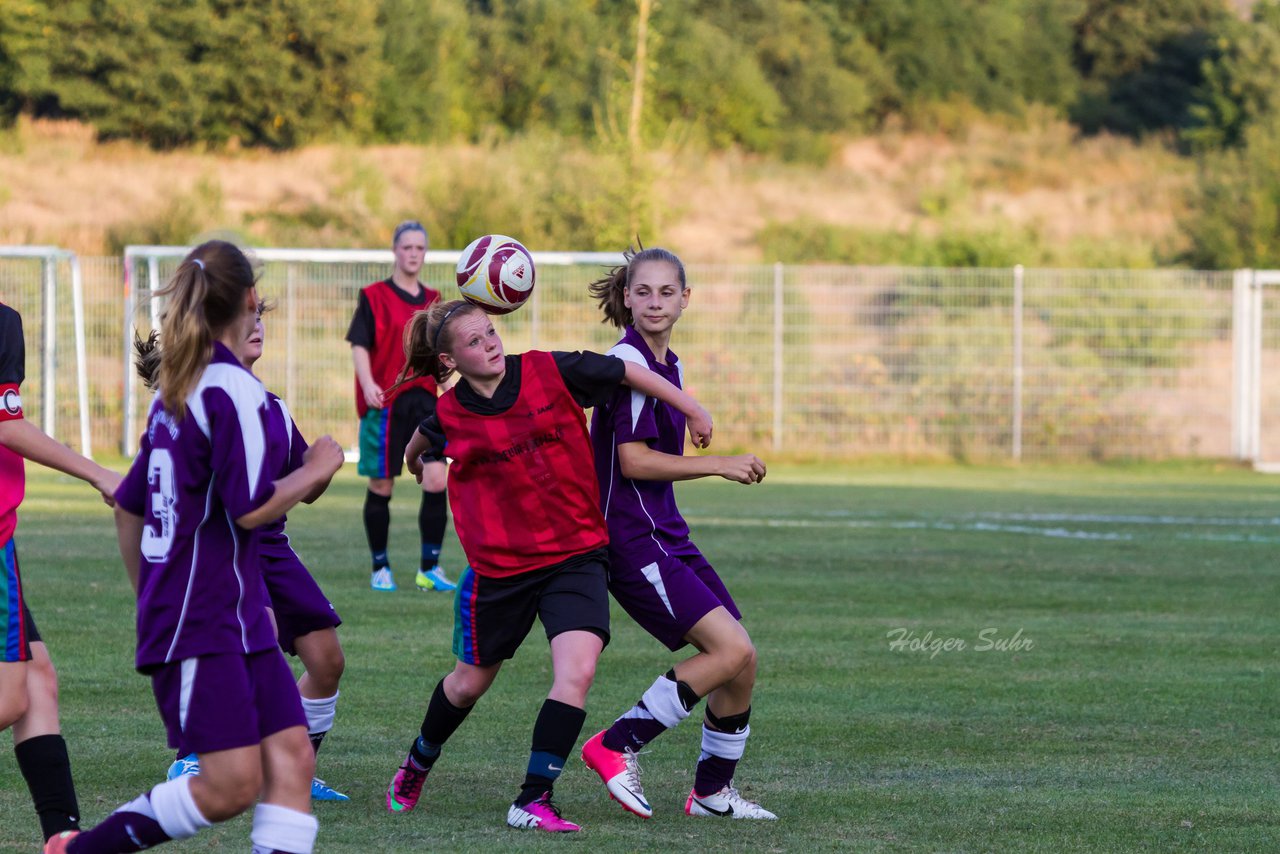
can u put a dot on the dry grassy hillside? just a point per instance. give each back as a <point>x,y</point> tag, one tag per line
<point>58,186</point>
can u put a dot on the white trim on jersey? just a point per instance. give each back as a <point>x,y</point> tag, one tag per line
<point>191,573</point>
<point>288,426</point>
<point>629,353</point>
<point>235,568</point>
<point>249,398</point>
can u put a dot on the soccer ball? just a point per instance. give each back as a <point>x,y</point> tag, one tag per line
<point>496,273</point>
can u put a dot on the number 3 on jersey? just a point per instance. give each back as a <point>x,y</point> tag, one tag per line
<point>158,539</point>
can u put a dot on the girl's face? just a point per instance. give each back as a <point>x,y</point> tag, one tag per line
<point>410,251</point>
<point>238,334</point>
<point>475,350</point>
<point>655,296</point>
<point>253,346</point>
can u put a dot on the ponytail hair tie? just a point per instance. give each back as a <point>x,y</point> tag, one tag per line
<point>199,263</point>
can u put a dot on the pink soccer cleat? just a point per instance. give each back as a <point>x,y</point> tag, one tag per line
<point>620,772</point>
<point>58,843</point>
<point>540,815</point>
<point>406,786</point>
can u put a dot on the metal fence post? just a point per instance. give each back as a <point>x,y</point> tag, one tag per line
<point>130,306</point>
<point>290,360</point>
<point>1241,380</point>
<point>48,363</point>
<point>778,319</point>
<point>1017,363</point>
<point>82,371</point>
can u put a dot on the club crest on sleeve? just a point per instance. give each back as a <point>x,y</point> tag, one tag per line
<point>11,400</point>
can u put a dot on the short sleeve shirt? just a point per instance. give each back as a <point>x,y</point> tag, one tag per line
<point>13,478</point>
<point>200,589</point>
<point>285,447</point>
<point>590,378</point>
<point>637,509</point>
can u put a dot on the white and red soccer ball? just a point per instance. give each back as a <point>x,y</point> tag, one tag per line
<point>496,273</point>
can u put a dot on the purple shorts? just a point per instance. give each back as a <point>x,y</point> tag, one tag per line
<point>224,701</point>
<point>666,594</point>
<point>298,602</point>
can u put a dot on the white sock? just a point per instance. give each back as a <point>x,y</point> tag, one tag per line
<point>726,745</point>
<point>663,702</point>
<point>277,828</point>
<point>175,810</point>
<point>320,713</point>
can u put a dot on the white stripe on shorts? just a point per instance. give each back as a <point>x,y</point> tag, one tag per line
<point>654,577</point>
<point>184,694</point>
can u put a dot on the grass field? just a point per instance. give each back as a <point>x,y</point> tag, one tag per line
<point>1117,689</point>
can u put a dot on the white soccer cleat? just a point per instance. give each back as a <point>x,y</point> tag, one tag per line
<point>382,579</point>
<point>726,803</point>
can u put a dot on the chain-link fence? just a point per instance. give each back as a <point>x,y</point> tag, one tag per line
<point>792,361</point>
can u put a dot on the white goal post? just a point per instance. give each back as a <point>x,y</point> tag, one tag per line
<point>1249,310</point>
<point>50,258</point>
<point>146,268</point>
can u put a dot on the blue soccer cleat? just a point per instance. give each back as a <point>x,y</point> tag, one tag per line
<point>434,579</point>
<point>184,766</point>
<point>322,791</point>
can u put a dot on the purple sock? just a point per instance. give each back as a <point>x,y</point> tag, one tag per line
<point>633,732</point>
<point>121,831</point>
<point>714,773</point>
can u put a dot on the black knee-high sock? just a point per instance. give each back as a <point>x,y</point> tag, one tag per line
<point>442,719</point>
<point>44,763</point>
<point>554,734</point>
<point>432,519</point>
<point>377,524</point>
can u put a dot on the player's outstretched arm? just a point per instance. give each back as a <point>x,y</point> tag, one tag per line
<point>319,464</point>
<point>638,461</point>
<point>650,384</point>
<point>32,443</point>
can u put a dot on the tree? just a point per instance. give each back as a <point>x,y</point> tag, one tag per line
<point>1143,60</point>
<point>429,56</point>
<point>1236,203</point>
<point>1241,84</point>
<point>170,72</point>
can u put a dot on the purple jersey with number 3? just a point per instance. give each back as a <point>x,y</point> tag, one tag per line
<point>640,509</point>
<point>199,588</point>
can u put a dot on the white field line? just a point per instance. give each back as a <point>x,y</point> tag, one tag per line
<point>971,524</point>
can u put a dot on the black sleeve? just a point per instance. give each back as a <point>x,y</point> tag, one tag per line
<point>590,377</point>
<point>361,331</point>
<point>430,427</point>
<point>13,351</point>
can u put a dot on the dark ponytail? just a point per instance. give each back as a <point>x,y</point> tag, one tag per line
<point>428,334</point>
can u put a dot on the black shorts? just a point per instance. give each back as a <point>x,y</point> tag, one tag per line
<point>493,616</point>
<point>33,634</point>
<point>384,435</point>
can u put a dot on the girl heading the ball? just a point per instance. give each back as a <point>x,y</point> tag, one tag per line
<point>527,511</point>
<point>656,572</point>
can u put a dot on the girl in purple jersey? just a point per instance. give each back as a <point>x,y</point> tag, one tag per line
<point>187,514</point>
<point>306,623</point>
<point>656,572</point>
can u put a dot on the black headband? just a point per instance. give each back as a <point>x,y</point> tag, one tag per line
<point>436,343</point>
